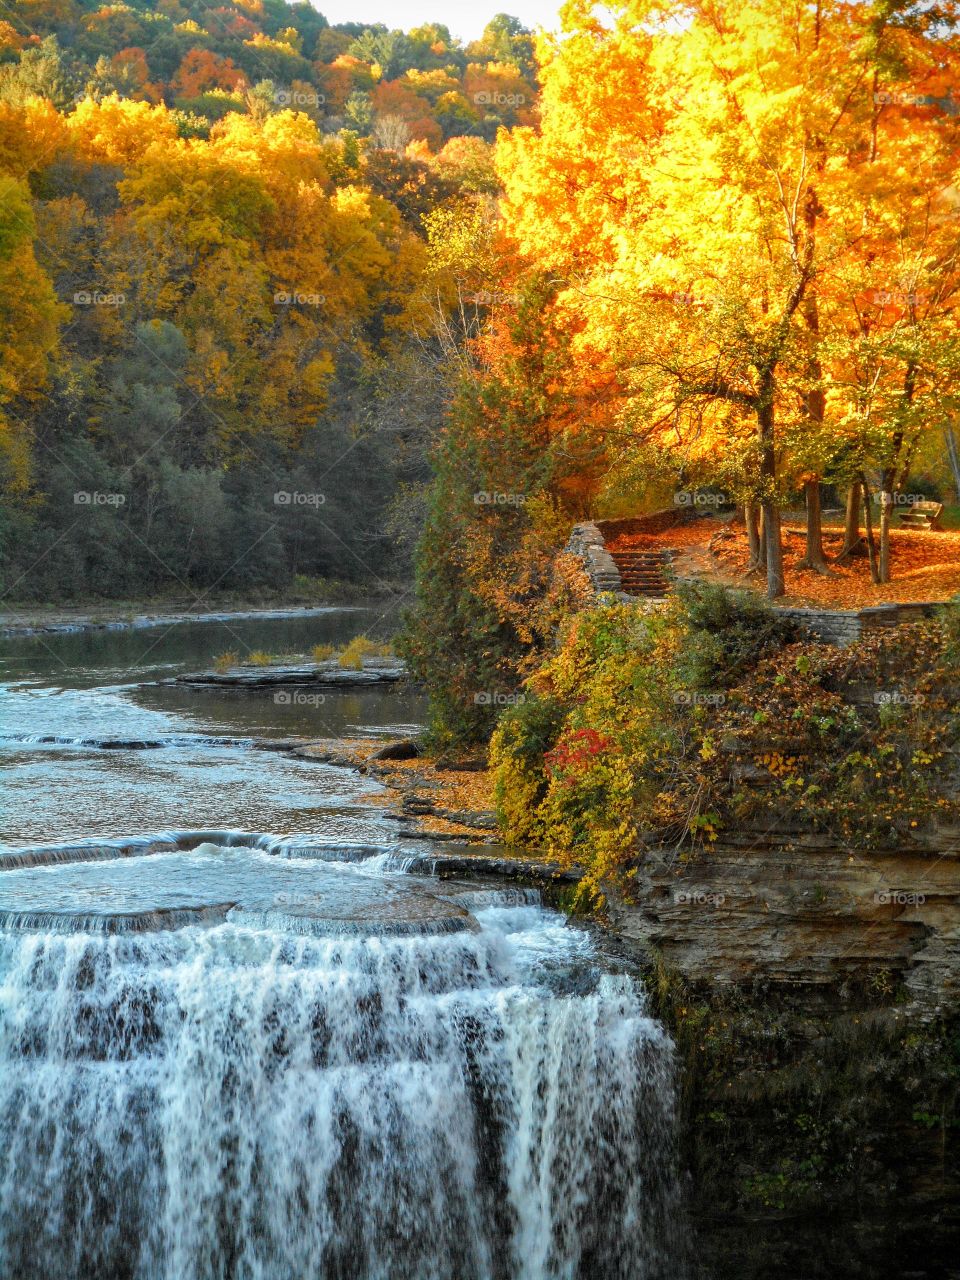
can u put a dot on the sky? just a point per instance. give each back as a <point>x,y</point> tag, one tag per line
<point>465,18</point>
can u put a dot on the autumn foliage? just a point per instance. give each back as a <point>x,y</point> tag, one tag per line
<point>213,255</point>
<point>753,214</point>
<point>677,728</point>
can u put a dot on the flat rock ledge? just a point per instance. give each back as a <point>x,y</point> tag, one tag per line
<point>315,675</point>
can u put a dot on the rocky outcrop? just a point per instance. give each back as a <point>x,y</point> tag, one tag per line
<point>813,991</point>
<point>799,911</point>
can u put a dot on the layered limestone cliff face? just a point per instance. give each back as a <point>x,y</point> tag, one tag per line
<point>799,911</point>
<point>814,993</point>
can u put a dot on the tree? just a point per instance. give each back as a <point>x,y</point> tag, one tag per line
<point>202,69</point>
<point>29,322</point>
<point>489,594</point>
<point>391,133</point>
<point>41,72</point>
<point>891,307</point>
<point>714,184</point>
<point>391,51</point>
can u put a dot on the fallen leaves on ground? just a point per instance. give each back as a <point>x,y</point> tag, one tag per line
<point>467,791</point>
<point>925,565</point>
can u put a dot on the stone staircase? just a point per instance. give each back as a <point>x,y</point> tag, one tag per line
<point>643,573</point>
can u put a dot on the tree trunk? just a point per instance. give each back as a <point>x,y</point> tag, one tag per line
<point>774,548</point>
<point>772,541</point>
<point>852,542</point>
<point>868,520</point>
<point>813,557</point>
<point>951,441</point>
<point>815,403</point>
<point>886,506</point>
<point>893,476</point>
<point>751,518</point>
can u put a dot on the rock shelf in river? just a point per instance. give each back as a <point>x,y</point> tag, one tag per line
<point>162,886</point>
<point>406,857</point>
<point>318,675</point>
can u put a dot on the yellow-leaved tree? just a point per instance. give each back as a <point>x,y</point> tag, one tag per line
<point>29,323</point>
<point>700,181</point>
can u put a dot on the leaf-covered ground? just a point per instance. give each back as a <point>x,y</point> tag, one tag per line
<point>924,565</point>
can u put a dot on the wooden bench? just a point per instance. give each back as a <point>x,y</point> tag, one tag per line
<point>922,515</point>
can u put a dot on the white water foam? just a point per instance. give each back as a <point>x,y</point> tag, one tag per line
<point>254,1104</point>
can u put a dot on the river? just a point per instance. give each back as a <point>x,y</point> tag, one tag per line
<point>238,1038</point>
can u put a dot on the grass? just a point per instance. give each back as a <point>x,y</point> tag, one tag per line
<point>351,655</point>
<point>361,647</point>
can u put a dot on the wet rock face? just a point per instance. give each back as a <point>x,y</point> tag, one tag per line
<point>814,993</point>
<point>802,914</point>
<point>404,750</point>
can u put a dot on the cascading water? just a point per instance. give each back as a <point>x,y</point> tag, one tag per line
<point>334,1072</point>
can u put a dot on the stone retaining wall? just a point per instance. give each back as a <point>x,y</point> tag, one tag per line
<point>587,544</point>
<point>655,522</point>
<point>844,626</point>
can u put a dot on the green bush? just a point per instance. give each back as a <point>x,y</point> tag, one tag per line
<point>726,633</point>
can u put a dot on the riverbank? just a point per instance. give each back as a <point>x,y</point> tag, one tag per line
<point>767,828</point>
<point>429,798</point>
<point>106,615</point>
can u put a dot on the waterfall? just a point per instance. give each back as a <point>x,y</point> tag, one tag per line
<point>231,1098</point>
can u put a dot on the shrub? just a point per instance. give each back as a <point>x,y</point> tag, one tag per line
<point>259,658</point>
<point>618,749</point>
<point>725,633</point>
<point>523,738</point>
<point>224,661</point>
<point>322,652</point>
<point>950,622</point>
<point>568,761</point>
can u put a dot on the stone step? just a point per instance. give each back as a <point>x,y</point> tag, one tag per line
<point>643,573</point>
<point>645,587</point>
